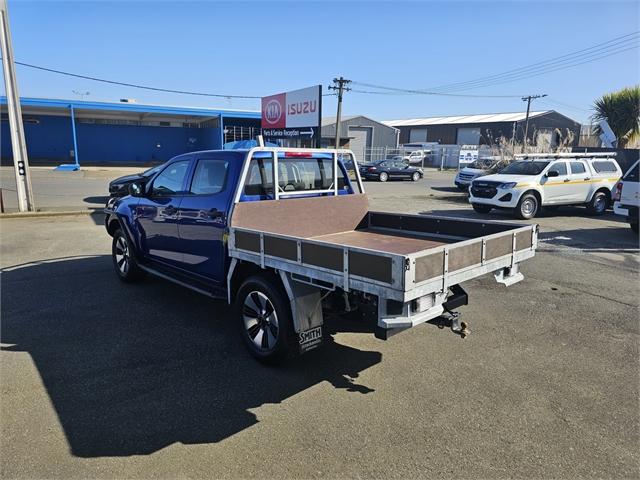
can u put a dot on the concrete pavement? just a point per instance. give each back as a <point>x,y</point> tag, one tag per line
<point>104,380</point>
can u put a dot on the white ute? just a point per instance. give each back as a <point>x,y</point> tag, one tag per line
<point>548,180</point>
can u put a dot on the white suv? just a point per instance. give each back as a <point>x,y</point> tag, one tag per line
<point>551,180</point>
<point>627,196</point>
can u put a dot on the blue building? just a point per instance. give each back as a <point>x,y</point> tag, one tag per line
<point>98,133</point>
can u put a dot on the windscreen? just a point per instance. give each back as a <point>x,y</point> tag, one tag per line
<point>524,168</point>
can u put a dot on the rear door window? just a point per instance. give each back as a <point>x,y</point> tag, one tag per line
<point>577,168</point>
<point>210,177</point>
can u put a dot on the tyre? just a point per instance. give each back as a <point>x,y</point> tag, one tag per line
<point>527,206</point>
<point>634,226</point>
<point>383,177</point>
<point>264,317</point>
<point>481,208</point>
<point>415,177</point>
<point>124,262</point>
<point>598,203</point>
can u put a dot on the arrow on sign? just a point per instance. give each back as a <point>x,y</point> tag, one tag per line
<point>310,132</point>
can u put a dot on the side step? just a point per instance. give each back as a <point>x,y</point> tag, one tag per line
<point>183,281</point>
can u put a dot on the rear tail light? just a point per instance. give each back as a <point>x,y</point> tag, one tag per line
<point>372,169</point>
<point>617,191</point>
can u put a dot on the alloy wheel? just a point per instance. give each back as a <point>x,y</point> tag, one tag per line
<point>260,320</point>
<point>122,255</point>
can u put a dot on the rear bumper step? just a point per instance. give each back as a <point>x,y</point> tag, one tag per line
<point>458,298</point>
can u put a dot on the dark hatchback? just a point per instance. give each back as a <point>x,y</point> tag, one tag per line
<point>120,186</point>
<point>384,170</point>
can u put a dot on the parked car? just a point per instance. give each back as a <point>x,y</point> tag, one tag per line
<point>384,170</point>
<point>548,180</point>
<point>283,243</point>
<point>120,186</point>
<point>417,157</point>
<point>475,169</point>
<point>626,196</point>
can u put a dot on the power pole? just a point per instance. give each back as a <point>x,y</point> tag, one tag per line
<point>18,143</point>
<point>528,99</point>
<point>341,82</point>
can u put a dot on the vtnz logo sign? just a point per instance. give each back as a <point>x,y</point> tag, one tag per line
<point>298,110</point>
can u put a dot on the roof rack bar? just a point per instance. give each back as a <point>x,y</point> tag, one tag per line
<point>567,154</point>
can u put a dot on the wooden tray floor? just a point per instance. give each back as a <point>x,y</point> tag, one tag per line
<point>382,241</point>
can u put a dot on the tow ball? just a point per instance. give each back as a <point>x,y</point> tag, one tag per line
<point>453,321</point>
<point>457,326</point>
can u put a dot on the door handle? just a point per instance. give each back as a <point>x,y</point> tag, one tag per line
<point>588,178</point>
<point>215,213</point>
<point>566,180</point>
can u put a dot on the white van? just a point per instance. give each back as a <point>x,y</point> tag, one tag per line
<point>548,180</point>
<point>627,196</point>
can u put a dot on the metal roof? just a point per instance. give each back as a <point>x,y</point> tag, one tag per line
<point>332,120</point>
<point>133,107</point>
<point>457,119</point>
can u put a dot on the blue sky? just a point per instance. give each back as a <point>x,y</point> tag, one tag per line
<point>267,47</point>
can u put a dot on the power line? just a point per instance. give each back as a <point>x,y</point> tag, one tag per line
<point>133,85</point>
<point>624,39</point>
<point>547,69</point>
<point>596,52</point>
<point>420,92</point>
<point>553,101</point>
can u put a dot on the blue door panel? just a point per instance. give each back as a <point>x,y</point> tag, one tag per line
<point>202,222</point>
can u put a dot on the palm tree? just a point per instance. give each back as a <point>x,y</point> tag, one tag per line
<point>621,110</point>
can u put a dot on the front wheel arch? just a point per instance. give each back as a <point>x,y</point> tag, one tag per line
<point>112,225</point>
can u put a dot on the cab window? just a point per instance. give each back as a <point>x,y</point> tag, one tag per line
<point>577,168</point>
<point>210,177</point>
<point>560,167</point>
<point>171,179</point>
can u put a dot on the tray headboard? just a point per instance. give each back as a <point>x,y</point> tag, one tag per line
<point>303,217</point>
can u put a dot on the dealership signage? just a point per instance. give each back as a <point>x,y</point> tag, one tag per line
<point>293,114</point>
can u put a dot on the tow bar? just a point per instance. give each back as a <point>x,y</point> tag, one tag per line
<point>452,319</point>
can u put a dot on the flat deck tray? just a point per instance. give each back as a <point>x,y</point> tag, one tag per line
<point>398,243</point>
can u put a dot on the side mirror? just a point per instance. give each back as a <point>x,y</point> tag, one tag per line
<point>136,189</point>
<point>552,173</point>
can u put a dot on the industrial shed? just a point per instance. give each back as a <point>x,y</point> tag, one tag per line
<point>59,131</point>
<point>485,129</point>
<point>359,133</point>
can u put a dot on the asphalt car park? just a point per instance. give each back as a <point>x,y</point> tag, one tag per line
<point>103,380</point>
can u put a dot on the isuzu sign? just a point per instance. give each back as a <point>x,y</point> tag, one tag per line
<point>292,114</point>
